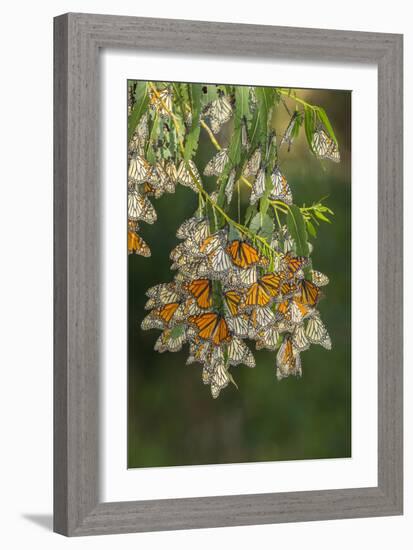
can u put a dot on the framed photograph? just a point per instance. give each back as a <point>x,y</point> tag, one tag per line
<point>228,274</point>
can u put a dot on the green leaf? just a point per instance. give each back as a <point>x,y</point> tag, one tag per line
<point>255,223</point>
<point>242,104</point>
<point>191,142</point>
<point>321,216</point>
<point>265,98</point>
<point>296,228</point>
<point>154,131</point>
<point>262,225</point>
<point>141,103</point>
<point>311,229</point>
<point>250,212</point>
<point>309,126</point>
<point>233,234</point>
<point>267,227</point>
<point>325,120</point>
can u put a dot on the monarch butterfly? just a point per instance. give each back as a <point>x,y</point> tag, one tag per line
<point>242,277</point>
<point>288,360</point>
<point>192,267</point>
<point>319,278</point>
<point>218,379</point>
<point>261,292</point>
<point>161,101</point>
<point>258,187</point>
<point>201,289</point>
<point>288,289</point>
<point>194,229</point>
<point>245,142</point>
<point>260,318</point>
<point>186,308</point>
<point>253,164</point>
<point>136,245</point>
<point>218,111</point>
<point>229,188</point>
<point>309,293</point>
<point>216,165</point>
<point>317,333</point>
<point>164,293</point>
<point>239,353</point>
<point>212,242</point>
<point>281,190</point>
<point>324,146</point>
<point>165,183</point>
<point>267,338</point>
<point>288,136</point>
<point>171,171</point>
<point>198,351</point>
<point>232,299</point>
<point>133,225</point>
<point>171,340</point>
<point>187,174</point>
<point>140,208</point>
<point>299,338</point>
<point>293,311</point>
<point>292,264</point>
<point>243,254</point>
<point>139,137</point>
<point>139,169</point>
<point>219,261</point>
<point>166,312</point>
<point>211,326</point>
<point>239,325</point>
<point>152,321</point>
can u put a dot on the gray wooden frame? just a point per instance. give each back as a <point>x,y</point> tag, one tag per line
<point>78,39</point>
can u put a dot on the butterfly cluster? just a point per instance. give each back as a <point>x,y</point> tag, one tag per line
<point>224,293</point>
<point>236,284</point>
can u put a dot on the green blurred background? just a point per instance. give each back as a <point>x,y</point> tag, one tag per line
<point>172,418</point>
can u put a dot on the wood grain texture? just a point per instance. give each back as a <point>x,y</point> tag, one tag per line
<point>78,39</point>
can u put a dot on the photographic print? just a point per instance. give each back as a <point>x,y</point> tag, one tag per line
<point>239,273</point>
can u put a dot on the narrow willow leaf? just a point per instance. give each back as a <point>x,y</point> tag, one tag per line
<point>326,121</point>
<point>311,229</point>
<point>141,103</point>
<point>265,98</point>
<point>321,216</point>
<point>296,228</point>
<point>309,125</point>
<point>191,142</point>
<point>264,206</point>
<point>242,104</point>
<point>153,134</point>
<point>250,212</point>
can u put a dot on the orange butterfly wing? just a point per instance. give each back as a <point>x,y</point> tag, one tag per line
<point>221,333</point>
<point>201,290</point>
<point>232,300</point>
<point>294,264</point>
<point>167,311</point>
<point>271,284</point>
<point>309,293</point>
<point>136,245</point>
<point>283,307</point>
<point>256,296</point>
<point>242,254</point>
<point>211,327</point>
